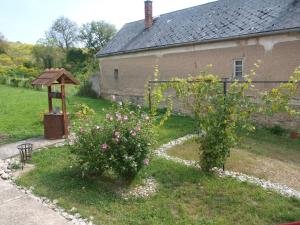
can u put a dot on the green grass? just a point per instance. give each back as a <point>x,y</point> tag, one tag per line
<point>21,111</point>
<point>261,143</point>
<point>262,154</point>
<point>185,196</point>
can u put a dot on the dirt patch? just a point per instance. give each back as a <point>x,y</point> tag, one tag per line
<point>275,170</point>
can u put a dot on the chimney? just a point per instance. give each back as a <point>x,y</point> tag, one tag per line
<point>148,14</point>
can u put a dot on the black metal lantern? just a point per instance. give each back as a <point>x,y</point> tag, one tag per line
<point>25,151</point>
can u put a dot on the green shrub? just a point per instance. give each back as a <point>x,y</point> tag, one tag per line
<point>3,79</point>
<point>121,142</point>
<point>27,82</point>
<point>223,118</point>
<point>15,82</point>
<point>277,130</point>
<point>83,111</point>
<point>86,90</point>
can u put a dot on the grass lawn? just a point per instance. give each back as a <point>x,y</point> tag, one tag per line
<point>22,109</point>
<point>262,154</point>
<point>21,113</point>
<point>185,196</point>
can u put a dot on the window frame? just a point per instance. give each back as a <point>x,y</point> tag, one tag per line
<point>235,66</point>
<point>116,73</point>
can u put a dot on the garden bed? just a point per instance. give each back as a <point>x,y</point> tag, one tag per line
<point>185,195</point>
<point>263,155</point>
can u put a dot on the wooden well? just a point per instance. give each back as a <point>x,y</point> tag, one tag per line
<point>56,123</point>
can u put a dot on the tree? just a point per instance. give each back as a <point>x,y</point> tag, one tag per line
<point>76,60</point>
<point>63,33</point>
<point>96,34</point>
<point>46,55</point>
<point>3,44</point>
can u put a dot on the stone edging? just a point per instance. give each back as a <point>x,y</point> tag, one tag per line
<point>280,188</point>
<point>76,219</point>
<point>6,174</point>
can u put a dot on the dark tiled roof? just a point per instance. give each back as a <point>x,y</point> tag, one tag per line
<point>218,20</point>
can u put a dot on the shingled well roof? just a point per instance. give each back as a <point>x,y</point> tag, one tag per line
<point>220,20</point>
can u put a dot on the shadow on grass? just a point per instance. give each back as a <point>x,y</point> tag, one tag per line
<point>65,178</point>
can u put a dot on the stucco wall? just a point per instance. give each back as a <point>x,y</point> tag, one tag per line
<point>279,54</point>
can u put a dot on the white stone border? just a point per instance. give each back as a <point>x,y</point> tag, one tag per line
<point>280,188</point>
<point>145,190</point>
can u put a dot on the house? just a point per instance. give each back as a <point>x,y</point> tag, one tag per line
<point>230,34</point>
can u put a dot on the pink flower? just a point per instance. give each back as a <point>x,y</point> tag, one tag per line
<point>138,128</point>
<point>113,97</point>
<point>104,147</point>
<point>133,133</point>
<point>125,118</point>
<point>118,116</point>
<point>146,162</point>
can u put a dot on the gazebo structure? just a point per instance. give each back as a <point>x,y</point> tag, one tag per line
<point>55,122</point>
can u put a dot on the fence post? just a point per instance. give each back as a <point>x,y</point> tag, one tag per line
<point>225,85</point>
<point>149,95</point>
<point>225,93</point>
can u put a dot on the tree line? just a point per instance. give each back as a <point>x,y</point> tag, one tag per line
<point>59,45</point>
<point>65,44</point>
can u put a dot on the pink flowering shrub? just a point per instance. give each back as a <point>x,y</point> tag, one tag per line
<point>121,142</point>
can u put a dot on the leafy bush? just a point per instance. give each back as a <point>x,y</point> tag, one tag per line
<point>121,142</point>
<point>86,90</point>
<point>15,82</point>
<point>19,71</point>
<point>3,79</point>
<point>222,119</point>
<point>83,111</point>
<point>277,130</point>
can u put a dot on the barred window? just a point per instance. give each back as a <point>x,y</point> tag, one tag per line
<point>238,68</point>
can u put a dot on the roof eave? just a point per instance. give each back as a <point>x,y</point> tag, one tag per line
<point>268,33</point>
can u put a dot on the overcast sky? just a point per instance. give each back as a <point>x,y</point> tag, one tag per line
<point>27,20</point>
